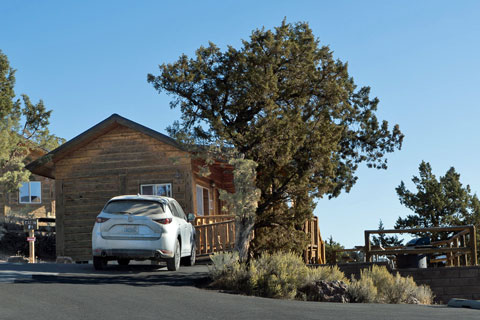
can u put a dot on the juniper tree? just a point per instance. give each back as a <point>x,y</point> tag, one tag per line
<point>284,102</point>
<point>23,126</point>
<point>385,241</point>
<point>438,202</point>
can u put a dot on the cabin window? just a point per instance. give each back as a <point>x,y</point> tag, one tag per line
<point>30,192</point>
<point>162,189</point>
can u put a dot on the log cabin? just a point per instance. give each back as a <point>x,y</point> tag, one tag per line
<point>118,156</point>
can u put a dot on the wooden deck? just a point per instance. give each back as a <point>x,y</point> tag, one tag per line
<point>458,250</point>
<point>216,233</point>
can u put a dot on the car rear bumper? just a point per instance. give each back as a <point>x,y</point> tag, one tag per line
<point>132,254</point>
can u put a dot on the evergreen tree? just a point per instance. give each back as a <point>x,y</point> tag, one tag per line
<point>23,127</point>
<point>284,102</point>
<point>438,202</point>
<point>385,241</point>
<point>331,251</point>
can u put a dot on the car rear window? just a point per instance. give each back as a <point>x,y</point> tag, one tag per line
<point>136,207</point>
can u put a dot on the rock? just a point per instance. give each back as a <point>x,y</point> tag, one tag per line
<point>64,259</point>
<point>326,291</point>
<point>17,259</point>
<point>413,300</point>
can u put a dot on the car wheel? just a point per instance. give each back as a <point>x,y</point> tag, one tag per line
<point>99,263</point>
<point>190,260</point>
<point>173,264</point>
<point>123,262</point>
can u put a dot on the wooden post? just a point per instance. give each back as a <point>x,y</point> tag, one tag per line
<point>368,258</point>
<point>473,245</point>
<point>324,258</point>
<point>457,257</point>
<point>449,256</point>
<point>31,246</point>
<point>464,244</point>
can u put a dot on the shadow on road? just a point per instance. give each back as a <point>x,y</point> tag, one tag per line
<point>133,275</point>
<point>177,280</point>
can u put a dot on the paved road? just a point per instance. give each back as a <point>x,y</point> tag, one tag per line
<point>53,292</point>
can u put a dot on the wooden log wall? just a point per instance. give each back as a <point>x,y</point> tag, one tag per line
<point>11,206</point>
<point>114,163</point>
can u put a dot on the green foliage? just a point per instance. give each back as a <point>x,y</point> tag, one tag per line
<point>23,127</point>
<point>438,202</point>
<point>384,240</point>
<point>379,285</point>
<point>283,101</point>
<point>331,251</point>
<point>243,203</point>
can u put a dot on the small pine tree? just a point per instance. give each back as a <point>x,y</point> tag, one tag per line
<point>384,240</point>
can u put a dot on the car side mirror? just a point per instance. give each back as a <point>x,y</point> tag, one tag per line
<point>191,217</point>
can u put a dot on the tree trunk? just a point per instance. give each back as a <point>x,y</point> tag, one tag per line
<point>243,236</point>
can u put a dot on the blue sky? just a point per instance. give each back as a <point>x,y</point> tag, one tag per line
<point>89,59</point>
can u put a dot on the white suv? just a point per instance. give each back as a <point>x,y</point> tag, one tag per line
<point>143,227</point>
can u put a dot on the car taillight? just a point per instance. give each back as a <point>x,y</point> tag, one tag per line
<point>101,220</point>
<point>163,221</point>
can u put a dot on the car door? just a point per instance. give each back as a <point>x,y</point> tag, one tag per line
<point>186,229</point>
<point>181,224</point>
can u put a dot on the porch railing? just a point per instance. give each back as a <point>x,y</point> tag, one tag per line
<point>217,233</point>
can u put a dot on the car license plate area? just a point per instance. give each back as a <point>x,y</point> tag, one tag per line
<point>131,229</point>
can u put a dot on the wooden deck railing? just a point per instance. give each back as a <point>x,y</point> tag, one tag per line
<point>455,247</point>
<point>214,236</point>
<point>217,233</point>
<point>315,252</point>
<point>202,220</point>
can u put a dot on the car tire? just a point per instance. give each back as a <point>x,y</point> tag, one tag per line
<point>99,263</point>
<point>173,264</point>
<point>190,260</point>
<point>123,262</point>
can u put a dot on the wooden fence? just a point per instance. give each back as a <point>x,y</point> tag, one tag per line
<point>217,233</point>
<point>454,248</point>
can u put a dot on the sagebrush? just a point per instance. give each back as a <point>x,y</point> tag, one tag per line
<point>378,285</point>
<point>280,275</point>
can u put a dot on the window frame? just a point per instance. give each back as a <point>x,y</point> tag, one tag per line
<point>210,208</point>
<point>154,186</point>
<point>29,193</point>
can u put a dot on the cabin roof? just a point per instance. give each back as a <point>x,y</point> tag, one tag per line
<point>44,165</point>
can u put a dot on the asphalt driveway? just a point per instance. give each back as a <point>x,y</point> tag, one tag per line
<point>51,291</point>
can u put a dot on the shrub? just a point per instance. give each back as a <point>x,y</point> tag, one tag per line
<point>277,275</point>
<point>326,273</point>
<point>228,273</point>
<point>362,290</point>
<point>281,275</point>
<point>379,285</point>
